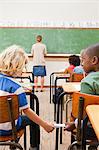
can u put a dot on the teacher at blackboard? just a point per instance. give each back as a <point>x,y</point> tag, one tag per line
<point>38,52</point>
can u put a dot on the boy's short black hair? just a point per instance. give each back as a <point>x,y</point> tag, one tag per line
<point>93,50</point>
<point>74,60</point>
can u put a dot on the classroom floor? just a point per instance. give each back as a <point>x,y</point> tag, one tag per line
<point>47,112</point>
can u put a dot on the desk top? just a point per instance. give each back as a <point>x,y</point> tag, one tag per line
<point>71,87</point>
<point>26,74</point>
<point>93,114</point>
<point>60,74</point>
<point>27,86</point>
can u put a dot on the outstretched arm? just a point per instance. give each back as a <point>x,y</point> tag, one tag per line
<point>35,118</point>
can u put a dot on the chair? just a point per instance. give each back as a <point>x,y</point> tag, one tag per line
<point>75,77</point>
<point>79,103</point>
<point>9,112</point>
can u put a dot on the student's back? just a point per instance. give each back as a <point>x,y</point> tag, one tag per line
<point>74,61</point>
<point>78,70</point>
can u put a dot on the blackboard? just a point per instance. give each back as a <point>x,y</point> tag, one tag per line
<point>57,40</point>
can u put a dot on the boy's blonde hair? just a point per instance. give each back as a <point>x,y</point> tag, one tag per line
<point>13,60</point>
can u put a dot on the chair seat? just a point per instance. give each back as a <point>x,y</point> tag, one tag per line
<point>9,138</point>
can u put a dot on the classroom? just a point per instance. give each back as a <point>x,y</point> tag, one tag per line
<point>66,28</point>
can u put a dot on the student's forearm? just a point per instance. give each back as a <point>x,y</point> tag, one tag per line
<point>34,117</point>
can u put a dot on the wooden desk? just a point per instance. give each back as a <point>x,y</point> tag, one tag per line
<point>93,114</point>
<point>29,76</point>
<point>71,87</point>
<point>28,87</point>
<point>26,75</point>
<point>66,76</point>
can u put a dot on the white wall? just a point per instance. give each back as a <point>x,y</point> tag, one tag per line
<point>51,10</point>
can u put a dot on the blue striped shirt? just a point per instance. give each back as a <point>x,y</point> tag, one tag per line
<point>10,85</point>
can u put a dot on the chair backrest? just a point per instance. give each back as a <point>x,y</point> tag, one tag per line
<point>75,77</point>
<point>88,100</point>
<point>4,107</point>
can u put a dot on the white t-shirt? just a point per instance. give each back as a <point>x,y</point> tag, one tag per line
<point>38,51</point>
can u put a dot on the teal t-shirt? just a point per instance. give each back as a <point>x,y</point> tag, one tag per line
<point>90,84</point>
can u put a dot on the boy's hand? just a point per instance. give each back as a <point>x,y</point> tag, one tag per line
<point>69,126</point>
<point>49,127</point>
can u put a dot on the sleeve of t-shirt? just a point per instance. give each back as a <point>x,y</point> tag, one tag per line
<point>86,88</point>
<point>23,104</point>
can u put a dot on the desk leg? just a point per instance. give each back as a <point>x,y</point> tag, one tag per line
<point>34,129</point>
<point>61,119</point>
<point>50,89</point>
<point>58,119</point>
<point>55,99</point>
<point>25,144</point>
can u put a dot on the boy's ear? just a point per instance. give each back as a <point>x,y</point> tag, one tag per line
<point>95,60</point>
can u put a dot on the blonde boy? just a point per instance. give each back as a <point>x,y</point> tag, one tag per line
<point>12,62</point>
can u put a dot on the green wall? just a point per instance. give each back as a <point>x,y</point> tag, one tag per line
<point>57,40</point>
